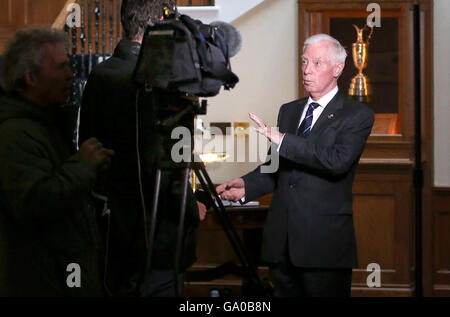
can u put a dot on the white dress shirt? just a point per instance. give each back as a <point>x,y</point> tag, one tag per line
<point>323,102</point>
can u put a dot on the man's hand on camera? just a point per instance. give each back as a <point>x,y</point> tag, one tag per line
<point>93,152</point>
<point>232,190</point>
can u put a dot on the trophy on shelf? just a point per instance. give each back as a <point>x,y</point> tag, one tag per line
<point>360,87</point>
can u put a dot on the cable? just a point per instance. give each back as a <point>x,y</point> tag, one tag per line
<point>141,190</point>
<point>106,211</point>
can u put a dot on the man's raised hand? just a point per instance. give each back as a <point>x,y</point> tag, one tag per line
<point>272,134</point>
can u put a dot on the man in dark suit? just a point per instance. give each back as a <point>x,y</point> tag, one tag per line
<point>309,238</point>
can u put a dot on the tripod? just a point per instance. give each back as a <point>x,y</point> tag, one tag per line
<point>248,267</point>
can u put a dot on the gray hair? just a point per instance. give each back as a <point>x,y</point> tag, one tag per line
<point>338,51</point>
<point>23,54</point>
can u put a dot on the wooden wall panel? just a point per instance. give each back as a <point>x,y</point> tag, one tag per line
<point>441,243</point>
<point>6,20</point>
<point>21,13</point>
<point>16,14</point>
<point>442,240</point>
<point>5,12</point>
<point>42,12</point>
<point>384,224</point>
<point>374,222</point>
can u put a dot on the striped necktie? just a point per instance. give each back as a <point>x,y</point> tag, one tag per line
<point>305,128</point>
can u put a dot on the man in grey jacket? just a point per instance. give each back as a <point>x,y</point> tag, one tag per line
<point>49,242</point>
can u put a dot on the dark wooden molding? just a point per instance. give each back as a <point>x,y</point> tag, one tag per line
<point>441,190</point>
<point>440,250</point>
<point>427,129</point>
<point>195,3</point>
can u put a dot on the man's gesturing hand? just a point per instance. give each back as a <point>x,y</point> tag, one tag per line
<point>93,152</point>
<point>232,190</point>
<point>272,134</point>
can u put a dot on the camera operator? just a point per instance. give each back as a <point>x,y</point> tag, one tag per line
<point>108,112</point>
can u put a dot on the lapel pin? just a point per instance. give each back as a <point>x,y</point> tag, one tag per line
<point>330,116</point>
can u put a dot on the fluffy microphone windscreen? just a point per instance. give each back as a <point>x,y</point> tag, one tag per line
<point>232,36</point>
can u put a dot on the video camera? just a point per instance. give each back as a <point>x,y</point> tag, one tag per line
<point>180,60</point>
<point>184,56</point>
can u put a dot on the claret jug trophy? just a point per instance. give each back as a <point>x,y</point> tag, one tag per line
<point>360,86</point>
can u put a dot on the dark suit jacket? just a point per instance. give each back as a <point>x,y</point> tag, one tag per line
<point>311,208</point>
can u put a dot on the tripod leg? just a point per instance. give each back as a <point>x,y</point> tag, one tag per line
<point>181,230</point>
<point>150,234</point>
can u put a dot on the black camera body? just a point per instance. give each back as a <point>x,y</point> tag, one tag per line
<point>184,56</point>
